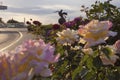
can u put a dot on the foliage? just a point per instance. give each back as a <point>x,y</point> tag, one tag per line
<point>105,11</point>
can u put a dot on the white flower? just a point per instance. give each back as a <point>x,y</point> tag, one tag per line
<point>112,57</point>
<point>67,36</point>
<point>107,61</point>
<point>88,51</point>
<point>76,47</point>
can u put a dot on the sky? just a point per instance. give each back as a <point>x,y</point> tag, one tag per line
<point>44,10</point>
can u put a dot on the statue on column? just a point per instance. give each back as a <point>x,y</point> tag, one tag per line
<point>62,15</point>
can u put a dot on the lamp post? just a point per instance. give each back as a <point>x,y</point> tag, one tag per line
<point>2,7</point>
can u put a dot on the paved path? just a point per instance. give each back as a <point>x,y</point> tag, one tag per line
<point>7,37</point>
<point>12,37</point>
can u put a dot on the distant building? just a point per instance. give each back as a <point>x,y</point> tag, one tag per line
<point>15,24</point>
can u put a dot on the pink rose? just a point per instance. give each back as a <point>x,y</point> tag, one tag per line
<point>117,46</point>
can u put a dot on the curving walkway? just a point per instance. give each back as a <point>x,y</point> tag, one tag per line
<point>12,37</point>
<point>7,37</point>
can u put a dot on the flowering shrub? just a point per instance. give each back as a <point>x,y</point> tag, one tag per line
<point>37,23</point>
<point>56,26</point>
<point>82,55</point>
<point>105,11</point>
<point>84,52</point>
<point>87,58</point>
<point>34,27</point>
<point>69,24</point>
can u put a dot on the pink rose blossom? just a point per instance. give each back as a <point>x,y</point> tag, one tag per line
<point>117,46</point>
<point>31,58</point>
<point>96,32</point>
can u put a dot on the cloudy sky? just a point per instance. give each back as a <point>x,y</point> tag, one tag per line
<point>44,10</point>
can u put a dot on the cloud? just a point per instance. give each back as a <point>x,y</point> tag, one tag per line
<point>43,10</point>
<point>29,10</point>
<point>45,19</point>
<point>58,6</point>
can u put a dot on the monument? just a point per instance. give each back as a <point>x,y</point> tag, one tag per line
<point>62,15</point>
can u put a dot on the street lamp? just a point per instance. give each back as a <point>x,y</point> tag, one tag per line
<point>2,7</point>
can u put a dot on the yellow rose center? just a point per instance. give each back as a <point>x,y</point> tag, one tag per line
<point>96,36</point>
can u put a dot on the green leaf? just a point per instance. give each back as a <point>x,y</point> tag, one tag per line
<point>107,51</point>
<point>63,67</point>
<point>84,58</point>
<point>90,75</point>
<point>76,71</point>
<point>80,68</point>
<point>89,63</point>
<point>96,53</point>
<point>60,70</point>
<point>97,62</point>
